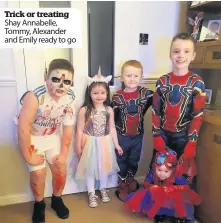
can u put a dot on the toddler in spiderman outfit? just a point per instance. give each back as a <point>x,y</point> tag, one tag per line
<point>165,193</point>
<point>178,104</point>
<point>130,105</point>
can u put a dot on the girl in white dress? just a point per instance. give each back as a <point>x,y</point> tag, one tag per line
<point>96,139</point>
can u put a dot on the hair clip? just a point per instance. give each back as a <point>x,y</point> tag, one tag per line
<point>99,78</point>
<point>169,159</point>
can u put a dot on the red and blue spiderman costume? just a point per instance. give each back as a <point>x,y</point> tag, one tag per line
<point>129,110</point>
<point>177,114</point>
<point>170,197</point>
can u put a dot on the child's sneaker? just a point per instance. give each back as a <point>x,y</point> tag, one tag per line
<point>61,210</point>
<point>104,196</point>
<point>92,200</point>
<point>39,212</point>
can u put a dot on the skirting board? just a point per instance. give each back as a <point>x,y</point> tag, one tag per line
<point>15,199</point>
<point>22,198</point>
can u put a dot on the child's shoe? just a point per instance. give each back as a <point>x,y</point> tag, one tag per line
<point>123,190</point>
<point>132,183</point>
<point>59,207</point>
<point>39,212</point>
<point>92,200</point>
<point>104,196</point>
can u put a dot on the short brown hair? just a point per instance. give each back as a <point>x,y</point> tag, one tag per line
<point>184,36</point>
<point>132,63</point>
<point>60,64</point>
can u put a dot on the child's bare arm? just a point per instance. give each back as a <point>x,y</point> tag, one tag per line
<point>79,132</point>
<point>68,129</point>
<point>66,139</point>
<point>25,121</point>
<point>113,131</point>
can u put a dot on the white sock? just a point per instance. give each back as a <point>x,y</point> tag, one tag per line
<point>103,182</point>
<point>90,181</point>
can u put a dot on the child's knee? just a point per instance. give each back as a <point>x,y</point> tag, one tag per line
<point>38,175</point>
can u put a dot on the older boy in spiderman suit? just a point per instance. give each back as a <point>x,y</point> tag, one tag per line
<point>178,104</point>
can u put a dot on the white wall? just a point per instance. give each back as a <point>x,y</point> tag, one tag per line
<point>159,20</point>
<point>6,64</point>
<point>13,176</point>
<point>6,57</point>
<point>7,81</point>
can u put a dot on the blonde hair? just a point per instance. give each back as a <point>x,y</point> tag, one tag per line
<point>132,63</point>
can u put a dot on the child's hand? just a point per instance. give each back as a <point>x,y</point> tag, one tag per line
<point>59,160</point>
<point>119,150</point>
<point>159,144</point>
<point>36,158</point>
<point>79,152</point>
<point>190,150</point>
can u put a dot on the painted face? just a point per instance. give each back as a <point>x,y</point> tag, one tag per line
<point>182,53</point>
<point>131,77</point>
<point>59,82</point>
<point>163,173</point>
<point>98,94</point>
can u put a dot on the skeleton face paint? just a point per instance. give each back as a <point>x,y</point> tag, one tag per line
<point>59,82</point>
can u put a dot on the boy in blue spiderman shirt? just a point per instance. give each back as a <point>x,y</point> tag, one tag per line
<point>130,105</point>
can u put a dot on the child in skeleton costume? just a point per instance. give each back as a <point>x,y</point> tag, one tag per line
<point>165,193</point>
<point>96,139</point>
<point>130,105</point>
<point>43,111</point>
